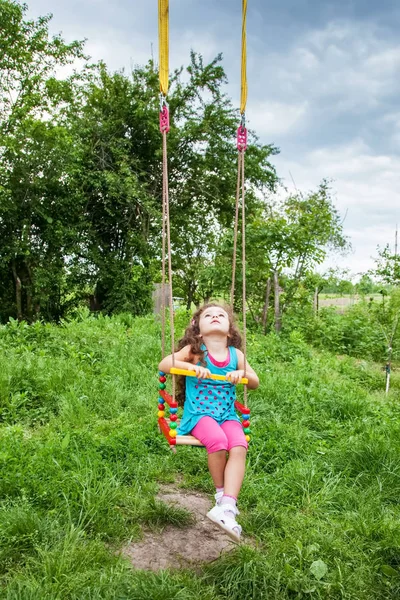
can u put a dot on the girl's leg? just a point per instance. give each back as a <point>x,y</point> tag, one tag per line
<point>214,439</point>
<point>236,464</point>
<point>216,466</point>
<point>224,513</point>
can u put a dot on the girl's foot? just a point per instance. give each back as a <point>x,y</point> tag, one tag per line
<point>224,516</point>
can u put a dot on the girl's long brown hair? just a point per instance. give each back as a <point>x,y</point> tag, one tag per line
<point>193,339</point>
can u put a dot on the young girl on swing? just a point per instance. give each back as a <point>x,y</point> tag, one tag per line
<point>211,345</point>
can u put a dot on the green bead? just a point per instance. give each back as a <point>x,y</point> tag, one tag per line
<point>162,386</point>
<point>173,425</point>
<point>247,430</point>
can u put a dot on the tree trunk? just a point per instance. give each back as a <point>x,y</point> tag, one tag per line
<point>18,292</point>
<point>278,323</point>
<point>387,369</point>
<point>191,291</point>
<point>253,315</point>
<point>266,306</point>
<point>29,303</point>
<point>316,300</point>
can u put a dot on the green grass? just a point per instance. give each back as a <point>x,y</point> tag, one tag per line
<point>81,459</point>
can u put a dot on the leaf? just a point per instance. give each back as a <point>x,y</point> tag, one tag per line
<point>389,571</point>
<point>65,441</point>
<point>319,569</point>
<point>288,569</point>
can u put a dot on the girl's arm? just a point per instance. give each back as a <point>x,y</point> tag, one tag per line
<point>182,361</point>
<point>235,376</point>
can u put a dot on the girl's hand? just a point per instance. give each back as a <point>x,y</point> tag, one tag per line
<point>235,376</point>
<point>201,372</point>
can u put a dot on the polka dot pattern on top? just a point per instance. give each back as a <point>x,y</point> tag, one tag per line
<point>206,397</point>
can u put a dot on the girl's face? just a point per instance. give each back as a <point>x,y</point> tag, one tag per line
<point>214,320</point>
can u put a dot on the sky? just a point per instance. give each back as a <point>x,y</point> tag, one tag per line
<point>323,86</point>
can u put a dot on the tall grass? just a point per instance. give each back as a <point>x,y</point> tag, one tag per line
<point>81,459</point>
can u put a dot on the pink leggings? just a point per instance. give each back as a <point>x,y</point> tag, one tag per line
<point>219,437</point>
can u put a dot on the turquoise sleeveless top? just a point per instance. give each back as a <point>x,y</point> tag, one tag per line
<point>210,398</point>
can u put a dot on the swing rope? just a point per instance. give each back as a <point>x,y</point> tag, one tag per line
<point>163,18</point>
<point>163,34</point>
<point>241,146</point>
<point>168,231</point>
<point>164,179</point>
<point>244,279</point>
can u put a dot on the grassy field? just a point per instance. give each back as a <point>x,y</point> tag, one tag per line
<point>343,301</point>
<point>81,459</point>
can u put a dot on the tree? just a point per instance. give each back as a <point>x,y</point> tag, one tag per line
<point>365,286</point>
<point>388,266</point>
<point>388,271</point>
<point>118,178</point>
<point>35,152</point>
<point>285,241</point>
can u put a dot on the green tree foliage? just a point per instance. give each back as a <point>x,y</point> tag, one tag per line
<point>120,178</point>
<point>80,180</point>
<point>388,266</point>
<point>365,285</point>
<point>285,240</point>
<point>116,178</point>
<point>36,151</point>
<point>203,175</point>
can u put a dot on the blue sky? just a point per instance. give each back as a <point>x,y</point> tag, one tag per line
<point>324,86</point>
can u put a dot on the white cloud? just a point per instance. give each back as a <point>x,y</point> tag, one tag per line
<point>365,191</point>
<point>345,65</point>
<point>275,118</point>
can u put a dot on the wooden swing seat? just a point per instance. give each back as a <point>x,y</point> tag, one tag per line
<point>164,424</point>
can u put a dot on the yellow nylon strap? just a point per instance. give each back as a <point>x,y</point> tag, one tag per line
<point>243,95</point>
<point>163,14</point>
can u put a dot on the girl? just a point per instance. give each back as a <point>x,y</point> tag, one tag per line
<point>211,345</point>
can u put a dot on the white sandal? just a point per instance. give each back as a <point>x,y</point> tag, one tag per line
<point>218,516</point>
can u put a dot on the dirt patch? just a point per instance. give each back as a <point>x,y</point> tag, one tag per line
<point>174,547</point>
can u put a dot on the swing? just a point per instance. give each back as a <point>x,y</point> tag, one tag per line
<point>166,402</point>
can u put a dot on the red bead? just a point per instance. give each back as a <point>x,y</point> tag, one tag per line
<point>161,407</point>
<point>246,424</point>
<point>172,441</point>
<point>173,405</point>
<point>173,417</point>
<point>162,379</point>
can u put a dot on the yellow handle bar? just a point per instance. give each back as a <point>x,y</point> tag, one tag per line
<point>175,371</point>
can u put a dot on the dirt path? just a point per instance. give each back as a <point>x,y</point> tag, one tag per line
<point>176,547</point>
